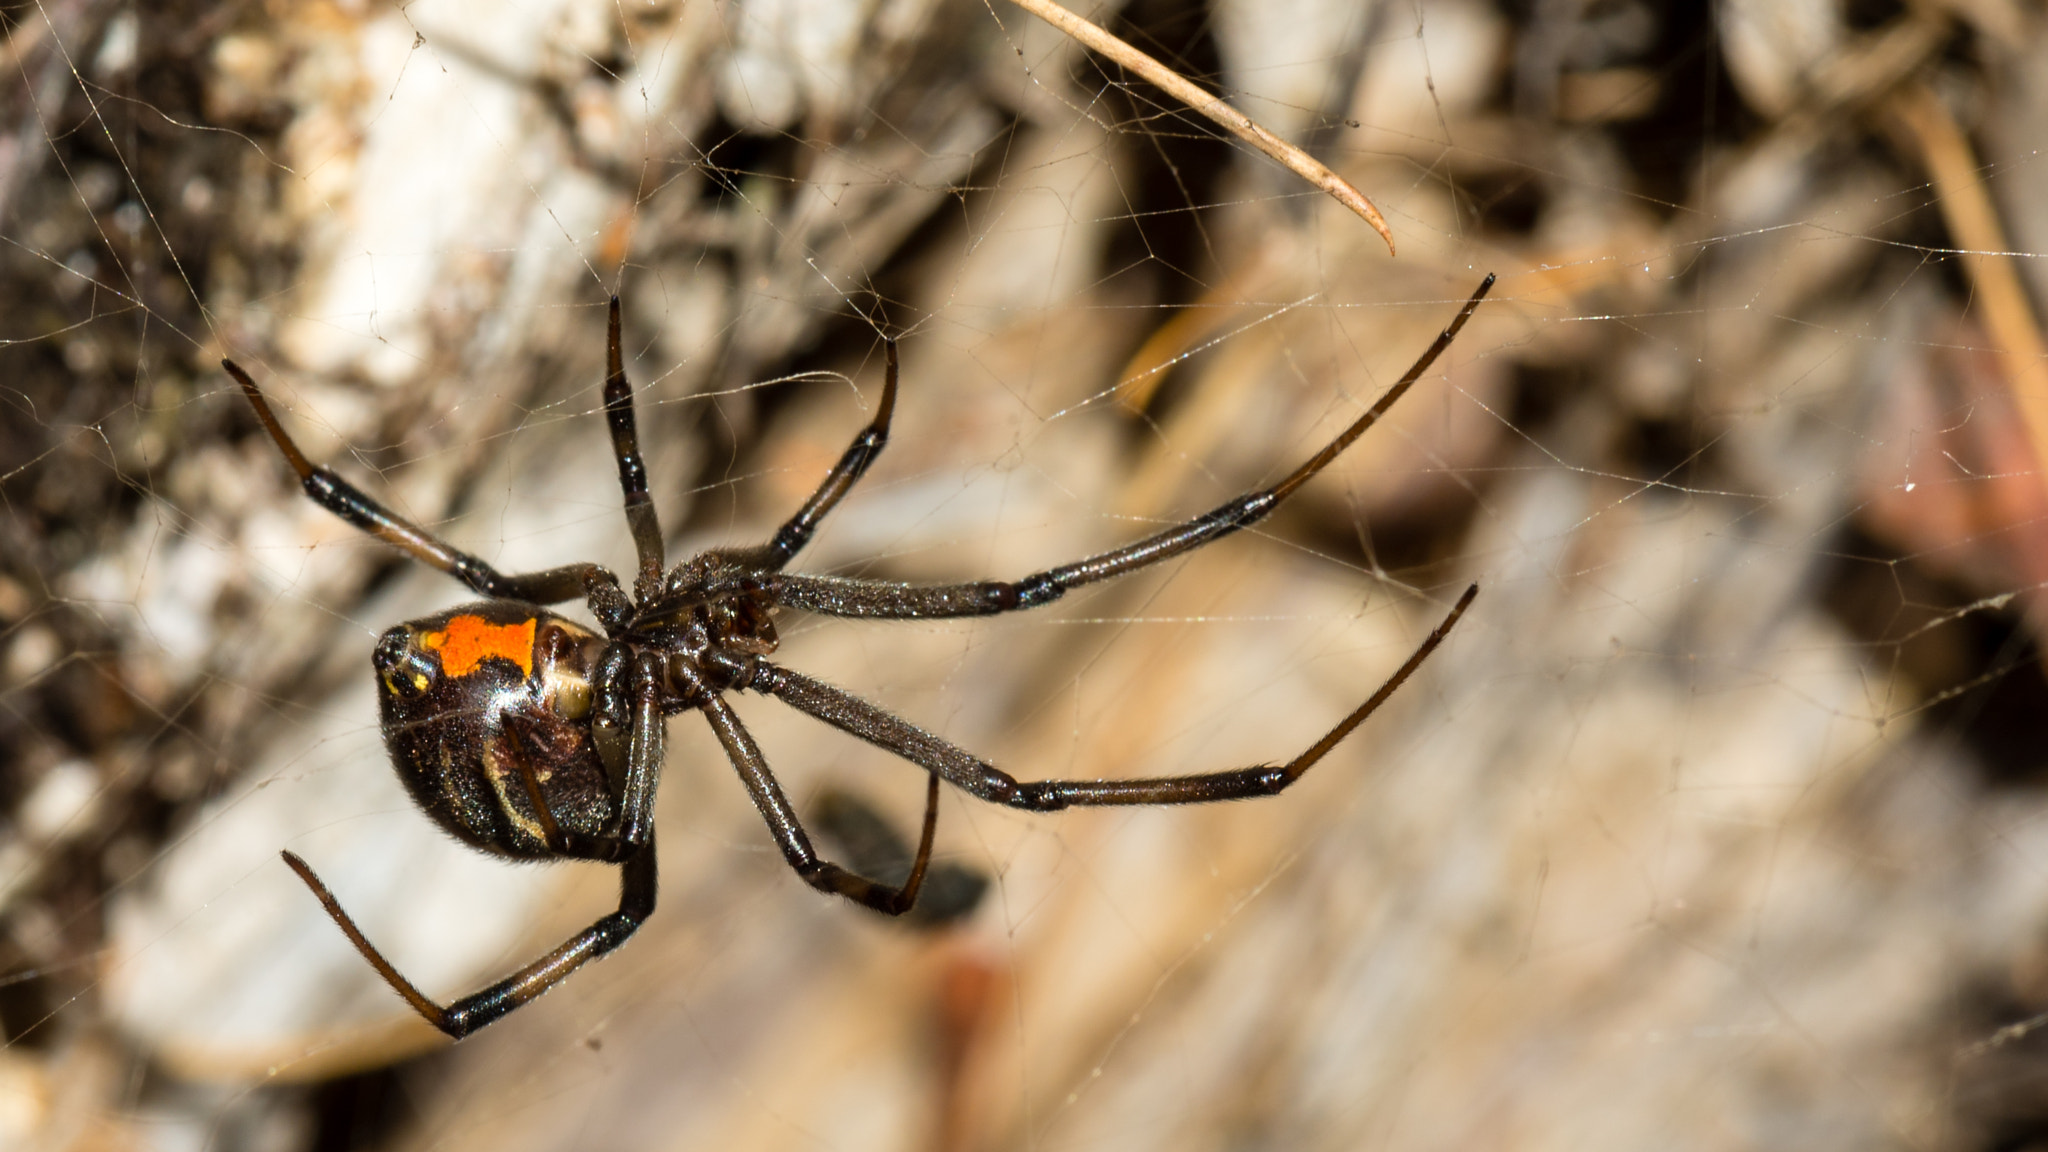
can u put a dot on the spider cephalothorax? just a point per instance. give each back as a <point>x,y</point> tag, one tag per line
<point>526,734</point>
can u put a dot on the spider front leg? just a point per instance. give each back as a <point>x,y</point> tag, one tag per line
<point>637,882</point>
<point>887,600</point>
<point>825,876</point>
<point>853,464</point>
<point>618,412</point>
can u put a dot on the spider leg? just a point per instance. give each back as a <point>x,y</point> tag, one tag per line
<point>881,599</point>
<point>645,750</point>
<point>789,833</point>
<point>330,491</point>
<point>857,717</point>
<point>630,732</point>
<point>618,411</point>
<point>797,530</point>
<point>637,881</point>
<point>564,842</point>
<point>559,842</point>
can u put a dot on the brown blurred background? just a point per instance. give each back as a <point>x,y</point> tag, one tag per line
<point>1718,823</point>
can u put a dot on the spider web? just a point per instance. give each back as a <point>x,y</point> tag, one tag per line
<point>1713,823</point>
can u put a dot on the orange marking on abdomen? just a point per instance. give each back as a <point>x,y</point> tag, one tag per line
<point>469,639</point>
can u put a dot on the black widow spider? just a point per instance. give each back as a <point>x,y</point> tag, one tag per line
<point>527,735</point>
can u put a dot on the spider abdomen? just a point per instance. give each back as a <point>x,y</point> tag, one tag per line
<point>475,697</point>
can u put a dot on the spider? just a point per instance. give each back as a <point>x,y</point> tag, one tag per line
<point>525,734</point>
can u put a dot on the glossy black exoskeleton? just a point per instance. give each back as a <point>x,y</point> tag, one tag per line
<point>478,697</point>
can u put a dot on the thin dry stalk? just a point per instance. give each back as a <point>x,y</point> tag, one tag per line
<point>1239,124</point>
<point>1973,222</point>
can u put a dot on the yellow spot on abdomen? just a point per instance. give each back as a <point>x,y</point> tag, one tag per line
<point>469,639</point>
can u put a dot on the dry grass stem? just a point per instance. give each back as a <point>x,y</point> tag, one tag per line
<point>1973,222</point>
<point>1240,125</point>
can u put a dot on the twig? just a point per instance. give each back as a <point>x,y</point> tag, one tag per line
<point>1240,125</point>
<point>1973,224</point>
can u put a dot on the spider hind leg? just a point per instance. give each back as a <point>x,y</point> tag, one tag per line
<point>858,718</point>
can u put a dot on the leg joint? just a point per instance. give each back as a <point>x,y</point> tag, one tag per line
<point>1038,588</point>
<point>1041,796</point>
<point>1032,796</point>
